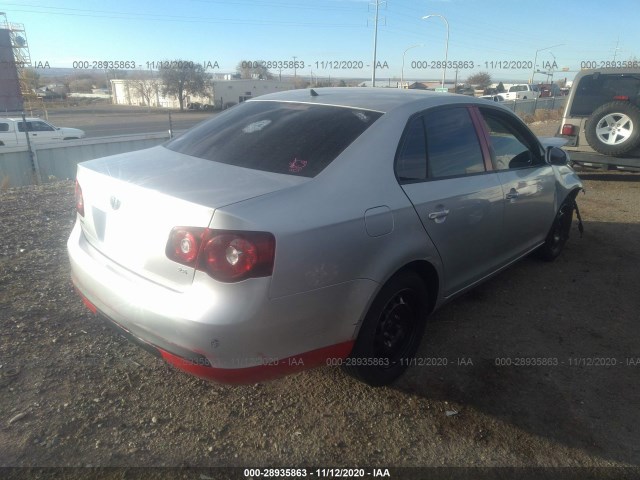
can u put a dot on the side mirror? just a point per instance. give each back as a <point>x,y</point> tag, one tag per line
<point>557,156</point>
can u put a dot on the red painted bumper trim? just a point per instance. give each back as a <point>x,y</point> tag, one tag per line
<point>270,370</point>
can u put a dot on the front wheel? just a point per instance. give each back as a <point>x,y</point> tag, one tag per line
<point>391,331</point>
<point>559,233</point>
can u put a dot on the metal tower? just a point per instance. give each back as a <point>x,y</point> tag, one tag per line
<point>21,54</point>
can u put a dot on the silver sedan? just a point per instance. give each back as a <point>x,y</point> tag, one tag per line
<point>308,228</point>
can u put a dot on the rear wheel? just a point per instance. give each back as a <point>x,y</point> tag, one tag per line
<point>391,331</point>
<point>614,128</point>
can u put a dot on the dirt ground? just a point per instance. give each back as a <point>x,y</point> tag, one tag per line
<point>72,393</point>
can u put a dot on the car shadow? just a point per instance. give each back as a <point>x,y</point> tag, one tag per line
<point>550,348</point>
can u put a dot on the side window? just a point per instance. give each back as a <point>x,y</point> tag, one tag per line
<point>41,127</point>
<point>411,163</point>
<point>4,127</point>
<point>453,147</point>
<point>510,148</point>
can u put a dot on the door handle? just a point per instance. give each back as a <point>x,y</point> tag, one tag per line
<point>513,194</point>
<point>439,216</point>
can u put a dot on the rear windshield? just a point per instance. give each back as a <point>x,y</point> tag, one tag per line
<point>291,138</point>
<point>596,90</point>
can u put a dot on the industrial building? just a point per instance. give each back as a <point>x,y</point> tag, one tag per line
<point>224,93</point>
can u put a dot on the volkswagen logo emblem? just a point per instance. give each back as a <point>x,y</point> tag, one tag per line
<point>115,202</point>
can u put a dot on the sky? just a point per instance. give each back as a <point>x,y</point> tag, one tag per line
<point>502,38</point>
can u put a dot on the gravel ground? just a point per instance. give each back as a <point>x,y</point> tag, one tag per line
<point>72,393</point>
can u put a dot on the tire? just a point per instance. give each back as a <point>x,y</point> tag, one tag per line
<point>614,128</point>
<point>391,331</point>
<point>559,233</point>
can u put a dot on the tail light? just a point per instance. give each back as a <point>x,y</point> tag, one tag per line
<point>568,129</point>
<point>622,98</point>
<point>228,256</point>
<point>79,200</point>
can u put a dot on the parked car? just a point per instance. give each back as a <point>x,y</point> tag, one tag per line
<point>601,121</point>
<point>465,90</point>
<point>12,132</point>
<point>493,98</point>
<point>522,91</point>
<point>549,90</point>
<point>313,227</point>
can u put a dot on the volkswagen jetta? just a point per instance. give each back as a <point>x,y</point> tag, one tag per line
<point>313,227</point>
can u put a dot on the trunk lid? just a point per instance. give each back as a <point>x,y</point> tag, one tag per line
<point>133,200</point>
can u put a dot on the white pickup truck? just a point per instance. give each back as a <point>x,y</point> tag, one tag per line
<point>521,91</point>
<point>12,132</point>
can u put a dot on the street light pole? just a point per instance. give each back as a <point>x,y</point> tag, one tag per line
<point>535,59</point>
<point>446,48</point>
<point>405,52</point>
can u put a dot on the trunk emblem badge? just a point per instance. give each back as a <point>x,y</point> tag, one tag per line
<point>115,202</point>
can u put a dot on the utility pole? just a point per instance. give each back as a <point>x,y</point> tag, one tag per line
<point>295,70</point>
<point>615,51</point>
<point>375,42</point>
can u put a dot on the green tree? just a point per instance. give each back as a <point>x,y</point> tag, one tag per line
<point>480,79</point>
<point>182,78</point>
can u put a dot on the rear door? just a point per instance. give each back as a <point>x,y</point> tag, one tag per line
<point>442,167</point>
<point>527,180</point>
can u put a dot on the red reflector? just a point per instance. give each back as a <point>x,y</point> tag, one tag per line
<point>568,129</point>
<point>622,98</point>
<point>88,304</point>
<point>79,200</point>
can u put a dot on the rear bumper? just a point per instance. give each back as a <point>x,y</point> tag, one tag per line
<point>230,333</point>
<point>198,365</point>
<point>596,158</point>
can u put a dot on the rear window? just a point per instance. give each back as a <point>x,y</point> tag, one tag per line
<point>596,90</point>
<point>4,127</point>
<point>279,137</point>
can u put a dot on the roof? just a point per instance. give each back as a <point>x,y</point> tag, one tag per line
<point>19,119</point>
<point>606,71</point>
<point>378,99</point>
